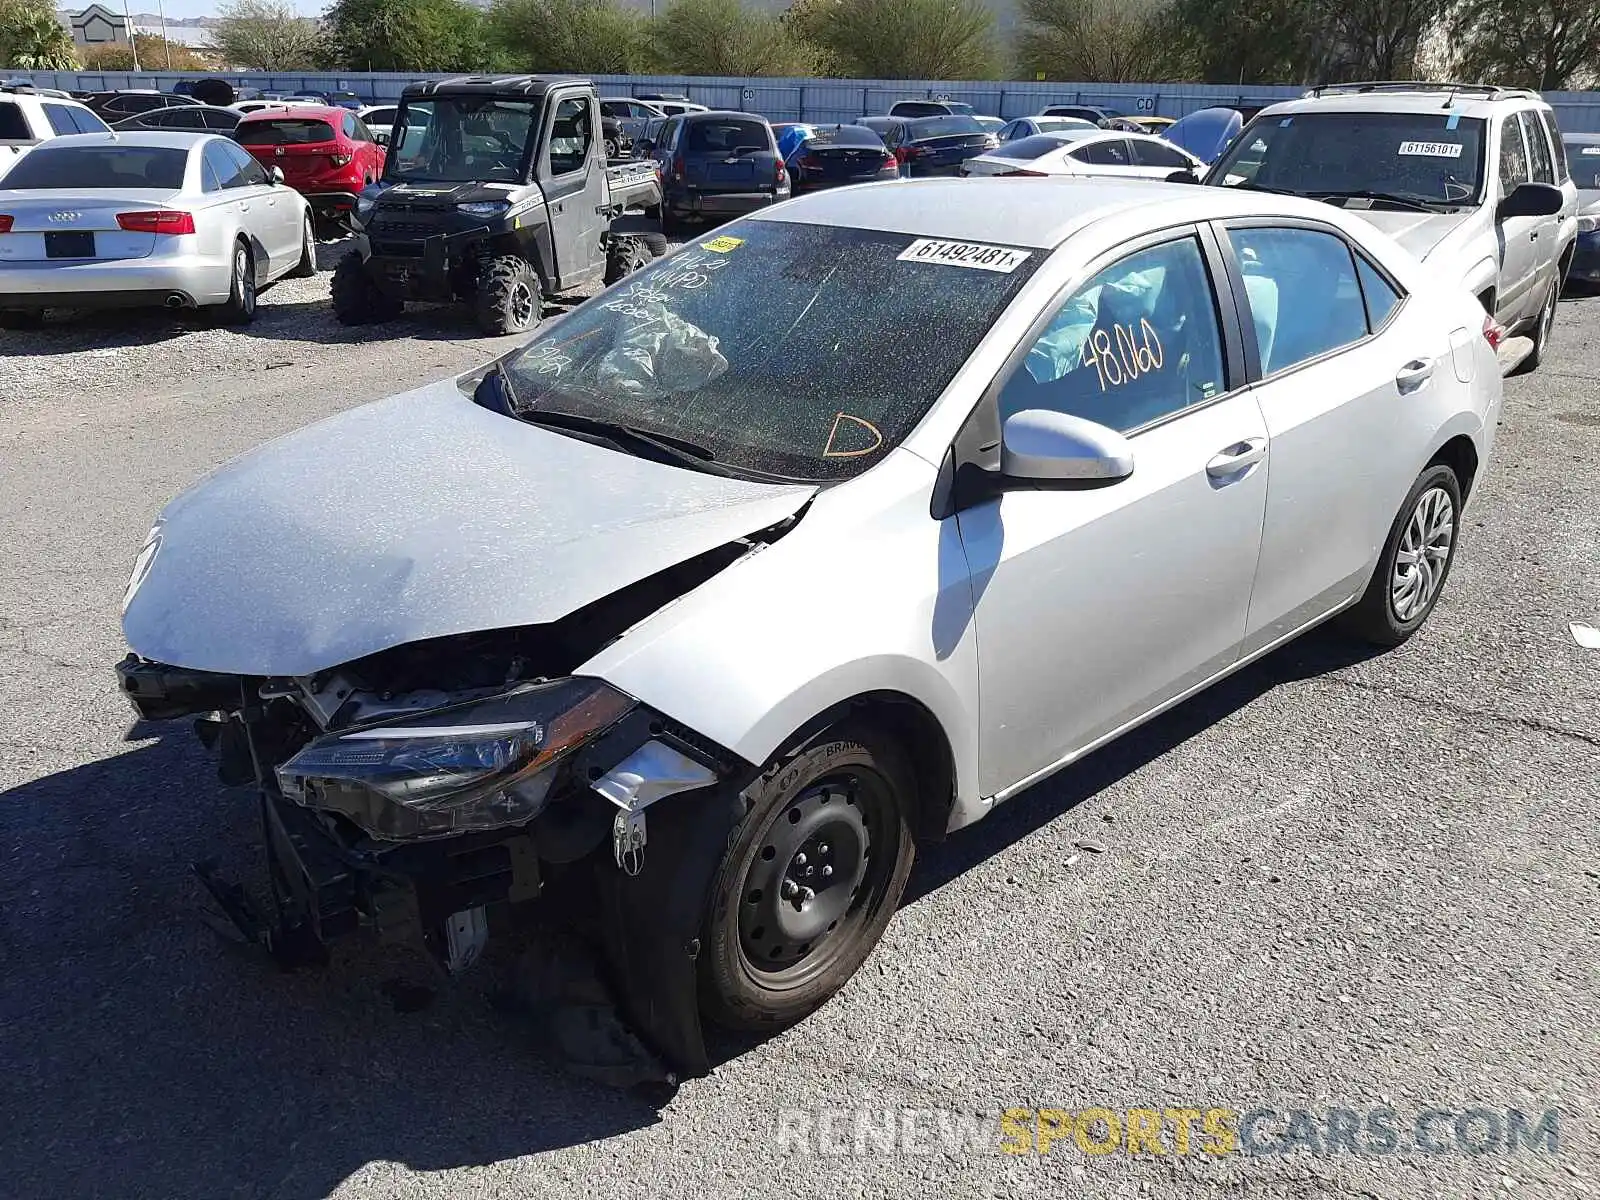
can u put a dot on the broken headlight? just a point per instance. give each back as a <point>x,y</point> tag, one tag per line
<point>481,765</point>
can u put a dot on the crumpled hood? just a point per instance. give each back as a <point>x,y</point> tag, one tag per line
<point>415,517</point>
<point>1420,233</point>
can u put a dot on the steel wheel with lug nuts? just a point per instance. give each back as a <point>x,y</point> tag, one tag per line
<point>814,873</point>
<point>1415,562</point>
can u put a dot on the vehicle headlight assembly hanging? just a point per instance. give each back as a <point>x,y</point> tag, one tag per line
<point>484,208</point>
<point>486,764</point>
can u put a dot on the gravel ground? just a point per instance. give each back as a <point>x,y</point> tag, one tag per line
<point>1335,881</point>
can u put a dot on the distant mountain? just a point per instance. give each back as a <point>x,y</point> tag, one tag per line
<point>143,20</point>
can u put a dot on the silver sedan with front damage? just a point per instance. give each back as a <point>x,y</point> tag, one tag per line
<point>128,219</point>
<point>825,534</point>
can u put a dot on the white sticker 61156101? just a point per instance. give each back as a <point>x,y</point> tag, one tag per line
<point>1432,149</point>
<point>965,254</point>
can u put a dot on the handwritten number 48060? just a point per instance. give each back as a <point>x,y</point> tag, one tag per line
<point>1120,354</point>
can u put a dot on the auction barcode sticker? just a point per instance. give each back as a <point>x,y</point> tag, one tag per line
<point>965,254</point>
<point>1432,149</point>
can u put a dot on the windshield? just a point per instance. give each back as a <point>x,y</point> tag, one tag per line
<point>94,167</point>
<point>1431,157</point>
<point>932,127</point>
<point>284,131</point>
<point>790,350</point>
<point>460,139</point>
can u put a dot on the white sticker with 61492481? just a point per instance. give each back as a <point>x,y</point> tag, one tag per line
<point>1432,149</point>
<point>965,254</point>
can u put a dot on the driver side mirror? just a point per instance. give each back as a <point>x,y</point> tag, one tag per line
<point>1184,175</point>
<point>1531,200</point>
<point>381,138</point>
<point>1044,448</point>
<point>276,174</point>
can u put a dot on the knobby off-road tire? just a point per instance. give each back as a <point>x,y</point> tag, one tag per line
<point>357,298</point>
<point>509,297</point>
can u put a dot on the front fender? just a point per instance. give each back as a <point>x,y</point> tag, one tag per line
<point>866,594</point>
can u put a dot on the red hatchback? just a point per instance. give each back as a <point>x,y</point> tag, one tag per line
<point>326,154</point>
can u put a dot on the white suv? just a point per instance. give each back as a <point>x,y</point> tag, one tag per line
<point>28,117</point>
<point>1471,179</point>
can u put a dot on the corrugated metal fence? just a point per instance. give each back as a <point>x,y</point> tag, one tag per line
<point>817,100</point>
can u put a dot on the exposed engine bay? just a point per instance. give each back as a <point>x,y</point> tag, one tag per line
<point>428,785</point>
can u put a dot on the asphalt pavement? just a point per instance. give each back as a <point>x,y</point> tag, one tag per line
<point>1337,883</point>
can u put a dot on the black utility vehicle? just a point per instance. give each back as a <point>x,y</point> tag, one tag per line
<point>496,192</point>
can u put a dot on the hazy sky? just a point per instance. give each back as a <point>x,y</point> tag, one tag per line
<point>191,8</point>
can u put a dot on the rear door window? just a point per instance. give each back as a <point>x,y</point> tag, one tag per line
<point>219,119</point>
<point>1539,163</point>
<point>1113,152</point>
<point>1380,295</point>
<point>1150,153</point>
<point>247,172</point>
<point>60,118</point>
<point>86,121</point>
<point>13,123</point>
<point>1282,266</point>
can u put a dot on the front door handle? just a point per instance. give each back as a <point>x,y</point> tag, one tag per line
<point>1413,375</point>
<point>1534,236</point>
<point>1237,457</point>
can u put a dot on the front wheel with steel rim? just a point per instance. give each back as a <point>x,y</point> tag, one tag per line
<point>240,308</point>
<point>1542,330</point>
<point>1415,562</point>
<point>810,881</point>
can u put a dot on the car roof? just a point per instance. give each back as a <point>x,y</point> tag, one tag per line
<point>1039,214</point>
<point>159,138</point>
<point>1438,100</point>
<point>722,114</point>
<point>299,112</point>
<point>532,86</point>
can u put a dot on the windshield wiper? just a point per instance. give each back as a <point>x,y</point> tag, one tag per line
<point>1416,203</point>
<point>676,448</point>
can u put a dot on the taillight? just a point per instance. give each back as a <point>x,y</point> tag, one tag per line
<point>912,152</point>
<point>341,160</point>
<point>677,167</point>
<point>161,220</point>
<point>781,176</point>
<point>5,222</point>
<point>891,161</point>
<point>1493,332</point>
<point>810,162</point>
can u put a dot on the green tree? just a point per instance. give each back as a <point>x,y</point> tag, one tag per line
<point>1250,41</point>
<point>1372,39</point>
<point>156,53</point>
<point>406,35</point>
<point>901,39</point>
<point>1099,41</point>
<point>1552,45</point>
<point>33,39</point>
<point>723,37</point>
<point>266,35</point>
<point>594,37</point>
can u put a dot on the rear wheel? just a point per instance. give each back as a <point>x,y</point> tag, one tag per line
<point>307,266</point>
<point>357,299</point>
<point>809,882</point>
<point>613,149</point>
<point>1546,322</point>
<point>240,307</point>
<point>624,256</point>
<point>509,296</point>
<point>1415,562</point>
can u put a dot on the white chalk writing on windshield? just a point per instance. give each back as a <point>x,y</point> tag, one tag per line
<point>546,360</point>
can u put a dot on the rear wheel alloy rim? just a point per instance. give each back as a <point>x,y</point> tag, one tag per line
<point>522,304</point>
<point>1424,550</point>
<point>812,873</point>
<point>247,286</point>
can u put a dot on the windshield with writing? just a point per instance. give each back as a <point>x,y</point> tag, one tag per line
<point>799,351</point>
<point>1429,157</point>
<point>460,139</point>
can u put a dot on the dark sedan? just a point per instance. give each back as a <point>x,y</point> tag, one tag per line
<point>197,118</point>
<point>932,145</point>
<point>834,155</point>
<point>1583,161</point>
<point>717,164</point>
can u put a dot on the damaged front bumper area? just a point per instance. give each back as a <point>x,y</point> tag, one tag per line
<point>396,809</point>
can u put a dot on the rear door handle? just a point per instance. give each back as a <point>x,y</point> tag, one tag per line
<point>1237,457</point>
<point>1413,375</point>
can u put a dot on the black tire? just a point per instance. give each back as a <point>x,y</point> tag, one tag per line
<point>21,319</point>
<point>653,212</point>
<point>1374,618</point>
<point>240,306</point>
<point>843,803</point>
<point>509,297</point>
<point>1544,323</point>
<point>624,256</point>
<point>307,266</point>
<point>357,299</point>
<point>613,150</point>
<point>657,243</point>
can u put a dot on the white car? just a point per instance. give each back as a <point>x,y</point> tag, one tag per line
<point>1014,131</point>
<point>1089,151</point>
<point>705,608</point>
<point>1470,179</point>
<point>122,220</point>
<point>29,116</point>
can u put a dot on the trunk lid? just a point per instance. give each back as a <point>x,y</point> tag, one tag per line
<point>39,217</point>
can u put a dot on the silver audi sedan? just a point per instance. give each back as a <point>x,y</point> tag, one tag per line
<point>831,531</point>
<point>130,219</point>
